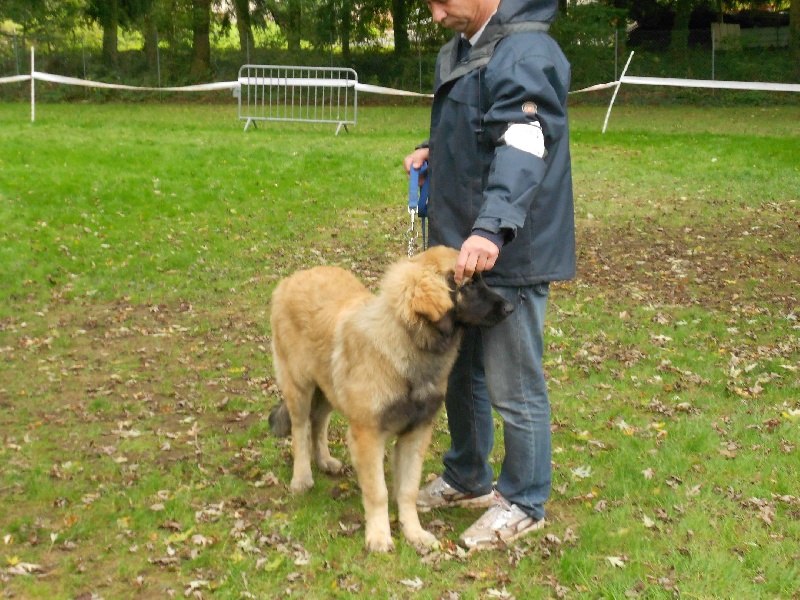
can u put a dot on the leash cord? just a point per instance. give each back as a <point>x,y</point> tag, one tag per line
<point>418,205</point>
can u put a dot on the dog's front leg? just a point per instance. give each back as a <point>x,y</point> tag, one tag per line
<point>409,453</point>
<point>367,447</point>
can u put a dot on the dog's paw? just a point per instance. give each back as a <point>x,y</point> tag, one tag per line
<point>330,465</point>
<point>421,539</point>
<point>301,485</point>
<point>380,543</point>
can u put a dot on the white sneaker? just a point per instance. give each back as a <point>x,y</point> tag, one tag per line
<point>440,494</point>
<point>501,524</point>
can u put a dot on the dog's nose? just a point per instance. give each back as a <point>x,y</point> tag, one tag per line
<point>508,308</point>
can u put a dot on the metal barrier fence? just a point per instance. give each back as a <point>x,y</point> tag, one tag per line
<point>304,94</point>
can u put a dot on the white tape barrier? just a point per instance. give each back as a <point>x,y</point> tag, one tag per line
<point>594,88</point>
<point>206,87</point>
<point>757,86</point>
<point>221,85</point>
<point>15,79</point>
<point>376,89</point>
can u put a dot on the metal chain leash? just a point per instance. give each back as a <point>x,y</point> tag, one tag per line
<point>412,233</point>
<point>417,205</point>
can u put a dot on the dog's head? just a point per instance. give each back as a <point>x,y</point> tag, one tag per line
<point>433,307</point>
<point>476,304</point>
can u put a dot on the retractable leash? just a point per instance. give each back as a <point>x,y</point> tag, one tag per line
<point>417,205</point>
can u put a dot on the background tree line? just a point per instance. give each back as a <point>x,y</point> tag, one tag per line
<point>398,27</point>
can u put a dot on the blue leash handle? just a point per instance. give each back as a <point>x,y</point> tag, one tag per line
<point>418,194</point>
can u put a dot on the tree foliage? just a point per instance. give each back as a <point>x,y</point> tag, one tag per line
<point>49,20</point>
<point>402,24</point>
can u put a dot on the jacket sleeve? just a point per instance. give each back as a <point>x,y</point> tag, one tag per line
<point>526,116</point>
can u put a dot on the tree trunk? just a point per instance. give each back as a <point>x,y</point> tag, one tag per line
<point>243,24</point>
<point>346,28</point>
<point>201,39</point>
<point>294,28</point>
<point>150,33</point>
<point>288,16</point>
<point>794,33</point>
<point>110,25</point>
<point>680,31</point>
<point>400,25</point>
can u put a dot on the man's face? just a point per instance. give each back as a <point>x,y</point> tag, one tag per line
<point>464,16</point>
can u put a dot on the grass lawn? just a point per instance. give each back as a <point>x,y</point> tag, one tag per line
<point>138,251</point>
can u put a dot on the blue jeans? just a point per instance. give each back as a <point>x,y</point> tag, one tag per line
<point>501,367</point>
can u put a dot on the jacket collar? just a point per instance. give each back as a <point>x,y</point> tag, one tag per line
<point>493,32</point>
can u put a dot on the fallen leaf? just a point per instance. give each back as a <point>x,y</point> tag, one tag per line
<point>24,568</point>
<point>616,561</point>
<point>791,415</point>
<point>201,540</point>
<point>415,584</point>
<point>582,472</point>
<point>196,585</point>
<point>625,427</point>
<point>500,594</point>
<point>177,538</point>
<point>273,565</point>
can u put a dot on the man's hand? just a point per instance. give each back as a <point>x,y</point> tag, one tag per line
<point>477,255</point>
<point>415,159</point>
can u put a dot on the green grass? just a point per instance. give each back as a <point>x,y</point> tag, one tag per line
<point>138,251</point>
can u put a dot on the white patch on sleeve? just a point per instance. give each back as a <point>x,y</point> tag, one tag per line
<point>527,137</point>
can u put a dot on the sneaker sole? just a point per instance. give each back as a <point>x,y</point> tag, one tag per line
<point>500,542</point>
<point>479,502</point>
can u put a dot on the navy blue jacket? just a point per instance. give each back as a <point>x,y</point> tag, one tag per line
<point>480,182</point>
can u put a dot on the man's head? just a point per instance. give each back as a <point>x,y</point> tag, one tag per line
<point>464,16</point>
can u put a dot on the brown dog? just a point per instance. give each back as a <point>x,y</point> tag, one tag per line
<point>383,362</point>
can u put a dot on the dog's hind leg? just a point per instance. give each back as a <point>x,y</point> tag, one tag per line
<point>320,417</point>
<point>298,401</point>
<point>408,455</point>
<point>367,447</point>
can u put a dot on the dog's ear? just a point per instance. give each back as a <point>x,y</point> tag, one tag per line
<point>430,296</point>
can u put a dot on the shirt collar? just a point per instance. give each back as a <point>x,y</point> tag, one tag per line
<point>474,39</point>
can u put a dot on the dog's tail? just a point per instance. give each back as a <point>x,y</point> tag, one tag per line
<point>279,422</point>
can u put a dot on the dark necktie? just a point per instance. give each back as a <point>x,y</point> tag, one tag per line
<point>463,48</point>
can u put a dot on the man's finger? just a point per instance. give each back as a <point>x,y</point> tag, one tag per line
<point>459,274</point>
<point>463,268</point>
<point>470,266</point>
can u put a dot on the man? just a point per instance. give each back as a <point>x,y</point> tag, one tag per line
<point>501,191</point>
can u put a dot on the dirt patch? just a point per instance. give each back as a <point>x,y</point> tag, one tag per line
<point>736,263</point>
